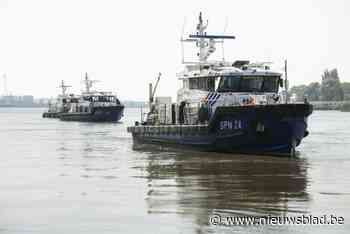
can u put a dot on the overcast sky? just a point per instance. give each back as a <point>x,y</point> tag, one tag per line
<point>124,44</point>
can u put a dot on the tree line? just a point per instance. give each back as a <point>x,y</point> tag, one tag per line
<point>330,89</point>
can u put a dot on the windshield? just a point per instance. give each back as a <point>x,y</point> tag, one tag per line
<point>248,84</point>
<point>100,98</point>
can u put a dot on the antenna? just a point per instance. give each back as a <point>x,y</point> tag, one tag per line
<point>88,83</point>
<point>182,41</point>
<point>205,42</point>
<point>222,44</point>
<point>64,88</point>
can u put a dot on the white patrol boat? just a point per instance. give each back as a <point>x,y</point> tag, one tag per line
<point>225,106</point>
<point>94,106</point>
<point>61,104</point>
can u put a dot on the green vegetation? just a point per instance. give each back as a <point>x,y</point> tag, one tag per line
<point>345,107</point>
<point>330,89</point>
<point>346,89</point>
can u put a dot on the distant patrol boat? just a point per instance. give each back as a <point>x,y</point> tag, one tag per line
<point>61,104</point>
<point>225,107</point>
<point>94,106</point>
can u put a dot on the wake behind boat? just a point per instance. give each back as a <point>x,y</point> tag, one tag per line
<point>225,107</point>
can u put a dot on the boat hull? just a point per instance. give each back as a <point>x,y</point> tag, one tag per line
<point>275,129</point>
<point>99,114</point>
<point>52,114</point>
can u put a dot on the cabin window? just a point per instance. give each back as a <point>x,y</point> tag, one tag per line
<point>248,84</point>
<point>193,83</point>
<point>202,83</point>
<point>229,84</point>
<point>211,84</point>
<point>251,84</point>
<point>270,84</point>
<point>103,99</point>
<point>112,99</point>
<point>185,84</point>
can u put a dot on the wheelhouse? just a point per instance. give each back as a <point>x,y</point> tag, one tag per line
<point>250,83</point>
<point>266,83</point>
<point>206,83</point>
<point>97,98</point>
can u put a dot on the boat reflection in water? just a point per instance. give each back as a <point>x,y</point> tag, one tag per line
<point>207,183</point>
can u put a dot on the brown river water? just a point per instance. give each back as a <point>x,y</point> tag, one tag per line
<point>71,177</point>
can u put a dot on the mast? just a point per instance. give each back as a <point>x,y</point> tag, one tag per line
<point>201,41</point>
<point>88,83</point>
<point>64,88</point>
<point>205,42</point>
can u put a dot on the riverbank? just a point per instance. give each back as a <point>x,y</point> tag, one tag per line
<point>341,105</point>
